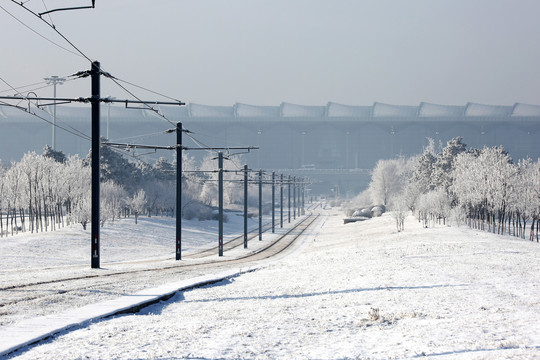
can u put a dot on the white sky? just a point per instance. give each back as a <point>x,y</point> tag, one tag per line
<point>302,51</point>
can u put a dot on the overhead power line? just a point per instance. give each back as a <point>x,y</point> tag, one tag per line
<point>37,33</point>
<point>52,26</point>
<point>146,89</point>
<point>28,111</point>
<point>81,53</point>
<point>27,99</point>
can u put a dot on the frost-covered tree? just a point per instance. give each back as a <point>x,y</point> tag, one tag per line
<point>423,172</point>
<point>30,169</point>
<point>56,155</point>
<point>81,209</point>
<point>77,199</point>
<point>484,183</point>
<point>112,199</point>
<point>399,212</point>
<point>441,177</point>
<point>2,186</point>
<point>387,180</point>
<point>470,188</point>
<point>117,168</point>
<point>164,170</point>
<point>432,207</point>
<point>137,203</point>
<point>500,181</point>
<point>534,176</point>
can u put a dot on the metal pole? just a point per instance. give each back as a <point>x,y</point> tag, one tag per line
<point>54,80</point>
<point>273,202</point>
<point>294,197</point>
<point>289,201</point>
<point>95,74</point>
<point>109,114</point>
<point>220,202</point>
<point>281,202</point>
<point>54,120</point>
<point>303,198</point>
<point>260,204</point>
<point>245,206</point>
<point>108,119</point>
<point>179,191</point>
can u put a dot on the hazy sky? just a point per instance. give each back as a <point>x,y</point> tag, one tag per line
<point>263,52</point>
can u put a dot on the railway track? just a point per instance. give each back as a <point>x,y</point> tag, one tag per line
<point>58,294</point>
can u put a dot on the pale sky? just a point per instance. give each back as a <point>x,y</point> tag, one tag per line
<point>309,52</point>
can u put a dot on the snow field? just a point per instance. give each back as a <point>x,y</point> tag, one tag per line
<point>120,241</point>
<point>359,290</point>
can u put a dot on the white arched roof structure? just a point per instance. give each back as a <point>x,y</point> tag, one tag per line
<point>204,111</point>
<point>436,110</point>
<point>387,110</point>
<point>526,110</point>
<point>245,110</point>
<point>339,110</point>
<point>473,109</point>
<point>332,110</point>
<point>294,110</point>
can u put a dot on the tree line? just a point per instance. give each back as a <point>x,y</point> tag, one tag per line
<point>485,188</point>
<point>44,192</point>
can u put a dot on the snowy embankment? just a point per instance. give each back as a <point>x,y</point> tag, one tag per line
<point>359,290</point>
<point>121,241</point>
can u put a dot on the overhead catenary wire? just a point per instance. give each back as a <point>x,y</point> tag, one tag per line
<point>72,131</point>
<point>47,10</point>
<point>139,136</point>
<point>83,55</point>
<point>146,89</point>
<point>114,79</point>
<point>145,103</point>
<point>20,88</point>
<point>37,33</point>
<point>55,29</point>
<point>107,75</point>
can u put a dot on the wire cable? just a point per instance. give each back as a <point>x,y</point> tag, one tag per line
<point>88,58</point>
<point>82,54</point>
<point>54,28</point>
<point>45,84</point>
<point>47,10</point>
<point>35,32</point>
<point>144,103</point>
<point>28,111</point>
<point>19,88</point>
<point>73,131</point>
<point>146,89</point>
<point>139,136</point>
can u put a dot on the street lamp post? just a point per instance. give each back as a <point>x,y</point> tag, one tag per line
<point>347,149</point>
<point>54,80</point>
<point>303,149</point>
<point>259,133</point>
<point>109,114</point>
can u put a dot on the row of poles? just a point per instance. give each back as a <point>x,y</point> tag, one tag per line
<point>293,184</point>
<point>298,196</point>
<point>298,200</point>
<point>95,100</point>
<point>95,259</point>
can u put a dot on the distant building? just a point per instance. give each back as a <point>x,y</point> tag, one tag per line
<point>335,144</point>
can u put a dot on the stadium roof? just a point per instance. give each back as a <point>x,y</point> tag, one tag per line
<point>288,110</point>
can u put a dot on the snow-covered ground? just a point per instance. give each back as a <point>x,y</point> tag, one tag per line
<point>359,290</point>
<point>122,240</point>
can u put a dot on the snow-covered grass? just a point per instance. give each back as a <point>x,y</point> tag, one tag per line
<point>359,290</point>
<point>122,240</point>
